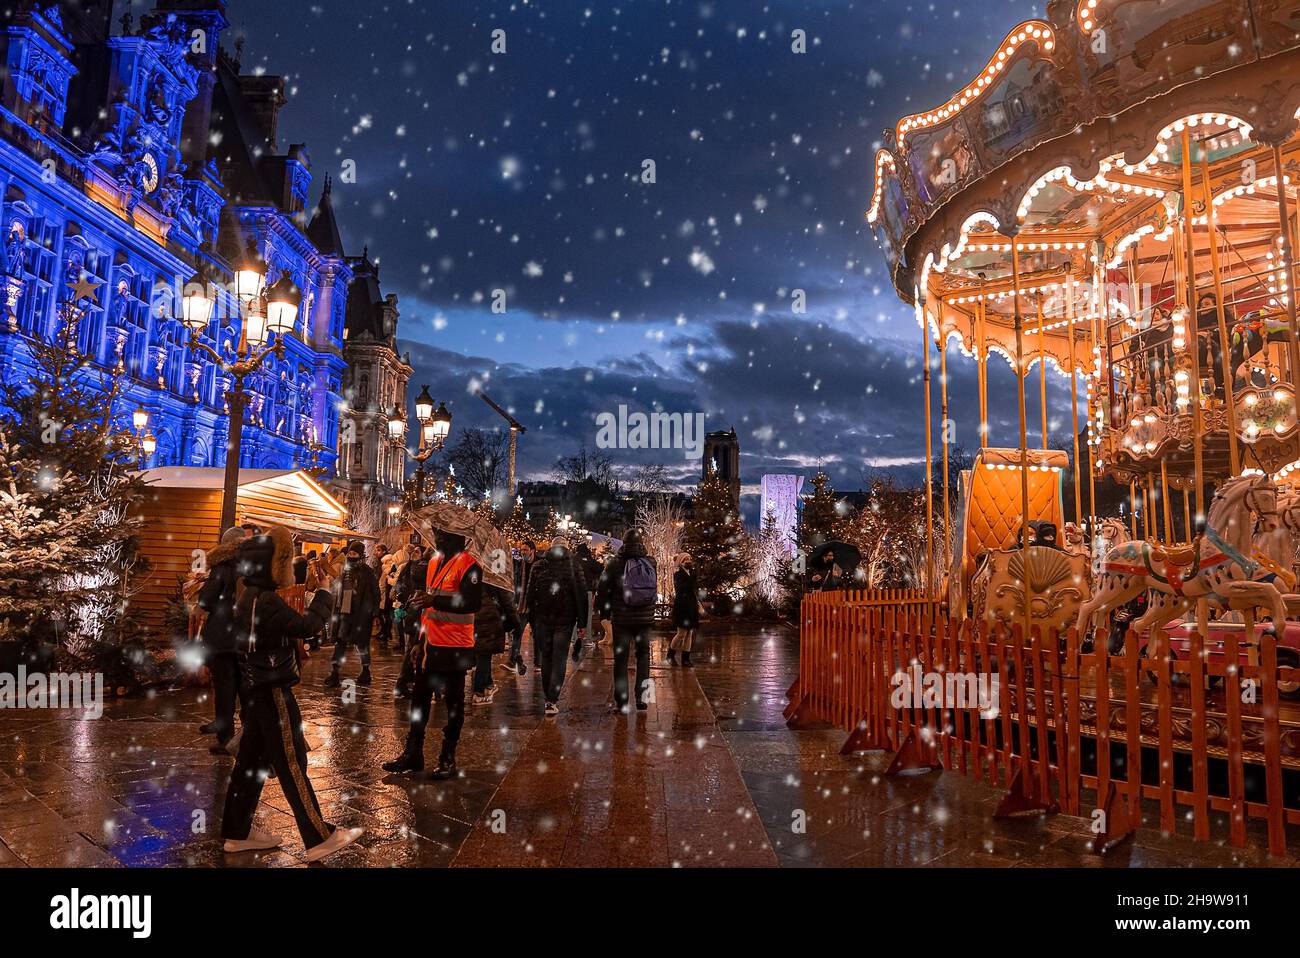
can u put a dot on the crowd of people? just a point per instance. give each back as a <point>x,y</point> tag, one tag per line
<point>448,611</point>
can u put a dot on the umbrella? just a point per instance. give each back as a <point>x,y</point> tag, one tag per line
<point>845,555</point>
<point>484,541</point>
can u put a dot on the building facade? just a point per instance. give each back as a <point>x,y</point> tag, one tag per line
<point>126,160</point>
<point>722,458</point>
<point>375,385</point>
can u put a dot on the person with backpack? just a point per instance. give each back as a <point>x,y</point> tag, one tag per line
<point>626,595</point>
<point>557,592</point>
<point>268,631</point>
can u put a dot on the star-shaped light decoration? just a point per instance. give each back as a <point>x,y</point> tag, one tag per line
<point>86,287</point>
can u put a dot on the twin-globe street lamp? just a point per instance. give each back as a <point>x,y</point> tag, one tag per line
<point>148,441</point>
<point>266,313</point>
<point>435,425</point>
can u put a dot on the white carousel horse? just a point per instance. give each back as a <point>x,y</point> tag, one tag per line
<point>1221,565</point>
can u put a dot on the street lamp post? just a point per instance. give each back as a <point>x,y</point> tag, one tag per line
<point>148,442</point>
<point>435,426</point>
<point>268,314</point>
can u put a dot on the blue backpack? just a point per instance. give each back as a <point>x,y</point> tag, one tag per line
<point>640,584</point>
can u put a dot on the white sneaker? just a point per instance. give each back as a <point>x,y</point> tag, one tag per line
<point>552,708</point>
<point>341,839</point>
<point>257,841</point>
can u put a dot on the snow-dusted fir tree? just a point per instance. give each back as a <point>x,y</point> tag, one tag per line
<point>67,536</point>
<point>771,554</point>
<point>659,520</point>
<point>715,537</point>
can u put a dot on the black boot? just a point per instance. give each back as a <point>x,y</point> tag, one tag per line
<point>412,757</point>
<point>364,677</point>
<point>672,657</point>
<point>209,727</point>
<point>686,661</point>
<point>446,766</point>
<point>332,682</point>
<point>405,763</point>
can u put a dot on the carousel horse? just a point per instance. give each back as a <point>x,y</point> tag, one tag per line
<point>1223,564</point>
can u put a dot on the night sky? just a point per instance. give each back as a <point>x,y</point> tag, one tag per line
<point>522,172</point>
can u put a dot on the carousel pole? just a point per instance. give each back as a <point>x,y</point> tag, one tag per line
<point>1094,354</point>
<point>1042,368</point>
<point>1164,501</point>
<point>1194,341</point>
<point>1020,403</point>
<point>1074,400</point>
<point>1153,510</point>
<point>929,455</point>
<point>943,411</point>
<point>1288,263</point>
<point>982,368</point>
<point>1187,517</point>
<point>1234,454</point>
<point>1132,509</point>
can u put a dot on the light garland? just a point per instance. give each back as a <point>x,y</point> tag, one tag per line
<point>1032,30</point>
<point>883,158</point>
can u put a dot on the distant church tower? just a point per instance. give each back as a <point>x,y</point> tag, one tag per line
<point>722,456</point>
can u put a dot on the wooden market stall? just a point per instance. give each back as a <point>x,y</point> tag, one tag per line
<point>182,514</point>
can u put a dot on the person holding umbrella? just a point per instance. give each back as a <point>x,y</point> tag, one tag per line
<point>445,652</point>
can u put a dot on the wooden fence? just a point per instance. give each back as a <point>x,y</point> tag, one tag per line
<point>1061,721</point>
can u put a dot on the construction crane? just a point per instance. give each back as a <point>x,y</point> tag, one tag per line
<point>516,427</point>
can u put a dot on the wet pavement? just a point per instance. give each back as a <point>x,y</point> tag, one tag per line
<point>709,775</point>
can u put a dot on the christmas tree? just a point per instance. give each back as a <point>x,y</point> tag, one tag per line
<point>551,528</point>
<point>518,530</point>
<point>820,515</point>
<point>67,540</point>
<point>485,509</point>
<point>715,537</point>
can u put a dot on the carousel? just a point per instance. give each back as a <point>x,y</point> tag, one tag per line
<point>1110,203</point>
<point>1113,200</point>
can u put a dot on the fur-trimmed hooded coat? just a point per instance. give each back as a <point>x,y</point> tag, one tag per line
<point>266,564</point>
<point>217,599</point>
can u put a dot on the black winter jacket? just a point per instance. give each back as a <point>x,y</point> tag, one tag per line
<point>557,590</point>
<point>217,599</point>
<point>276,626</point>
<point>495,619</point>
<point>365,596</point>
<point>609,591</point>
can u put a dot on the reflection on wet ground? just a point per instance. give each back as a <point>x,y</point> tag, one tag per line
<point>708,775</point>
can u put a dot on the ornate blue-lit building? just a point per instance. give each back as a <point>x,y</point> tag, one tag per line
<point>130,153</point>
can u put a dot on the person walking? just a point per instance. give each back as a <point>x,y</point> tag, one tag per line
<point>217,599</point>
<point>557,592</point>
<point>591,569</point>
<point>410,583</point>
<point>686,609</point>
<point>356,600</point>
<point>495,618</point>
<point>453,595</point>
<point>267,635</point>
<point>626,596</point>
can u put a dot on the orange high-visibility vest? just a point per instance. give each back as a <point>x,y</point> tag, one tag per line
<point>448,629</point>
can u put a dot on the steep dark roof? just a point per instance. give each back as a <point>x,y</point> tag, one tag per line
<point>242,143</point>
<point>323,230</point>
<point>365,315</point>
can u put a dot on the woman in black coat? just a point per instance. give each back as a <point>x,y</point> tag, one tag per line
<point>686,610</point>
<point>217,599</point>
<point>495,618</point>
<point>268,632</point>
